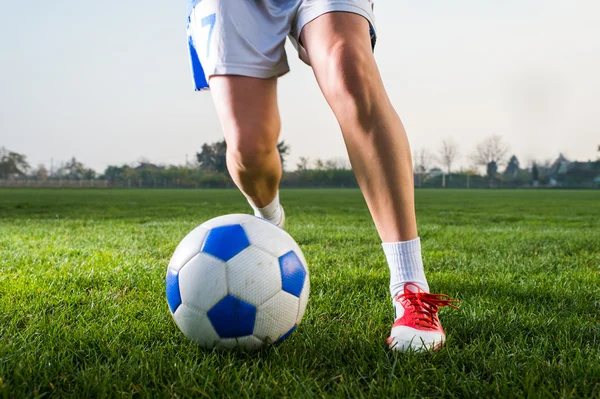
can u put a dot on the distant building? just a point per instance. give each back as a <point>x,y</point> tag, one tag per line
<point>434,172</point>
<point>574,174</point>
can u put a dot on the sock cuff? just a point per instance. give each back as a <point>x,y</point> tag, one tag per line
<point>274,203</point>
<point>402,247</point>
<point>266,207</point>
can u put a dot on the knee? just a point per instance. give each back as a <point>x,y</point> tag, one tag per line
<point>249,150</point>
<point>350,82</point>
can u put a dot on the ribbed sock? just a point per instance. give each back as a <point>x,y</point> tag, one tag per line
<point>406,265</point>
<point>271,212</point>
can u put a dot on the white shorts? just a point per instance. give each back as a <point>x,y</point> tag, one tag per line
<point>247,37</point>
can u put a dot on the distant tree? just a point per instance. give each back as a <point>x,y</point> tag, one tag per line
<point>41,173</point>
<point>491,149</point>
<point>330,164</point>
<point>422,160</point>
<point>12,164</point>
<point>212,157</point>
<point>302,164</point>
<point>513,167</point>
<point>319,164</point>
<point>284,150</point>
<point>336,164</point>
<point>75,170</point>
<point>113,173</point>
<point>490,153</point>
<point>149,173</point>
<point>492,169</point>
<point>469,173</point>
<point>535,174</point>
<point>447,154</point>
<point>130,175</point>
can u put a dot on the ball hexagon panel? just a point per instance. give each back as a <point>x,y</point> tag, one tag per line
<point>188,248</point>
<point>232,317</point>
<point>225,242</point>
<point>173,292</point>
<point>254,276</point>
<point>303,300</point>
<point>293,273</point>
<point>196,326</point>
<point>276,317</point>
<point>268,237</point>
<point>203,282</point>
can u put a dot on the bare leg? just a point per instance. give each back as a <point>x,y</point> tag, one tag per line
<point>339,49</point>
<point>247,108</point>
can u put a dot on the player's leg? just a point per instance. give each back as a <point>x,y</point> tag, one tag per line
<point>247,109</point>
<point>238,47</point>
<point>338,46</point>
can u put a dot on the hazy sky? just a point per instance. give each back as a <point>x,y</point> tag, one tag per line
<point>109,81</point>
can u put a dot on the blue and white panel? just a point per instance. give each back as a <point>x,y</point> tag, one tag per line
<point>225,242</point>
<point>232,317</point>
<point>293,273</point>
<point>173,292</point>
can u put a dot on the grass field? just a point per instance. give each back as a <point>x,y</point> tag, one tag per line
<point>83,310</point>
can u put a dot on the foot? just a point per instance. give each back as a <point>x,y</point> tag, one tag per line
<point>281,222</point>
<point>417,327</point>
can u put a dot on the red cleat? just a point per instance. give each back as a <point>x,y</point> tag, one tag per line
<point>417,326</point>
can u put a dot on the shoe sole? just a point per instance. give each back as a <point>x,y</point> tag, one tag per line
<point>416,343</point>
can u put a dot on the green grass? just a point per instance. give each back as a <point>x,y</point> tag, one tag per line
<point>83,311</point>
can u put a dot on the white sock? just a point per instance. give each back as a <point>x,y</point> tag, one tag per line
<point>271,212</point>
<point>406,265</point>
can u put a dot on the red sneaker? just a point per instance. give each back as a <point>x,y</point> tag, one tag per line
<point>417,327</point>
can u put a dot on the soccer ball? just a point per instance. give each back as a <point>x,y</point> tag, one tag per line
<point>237,281</point>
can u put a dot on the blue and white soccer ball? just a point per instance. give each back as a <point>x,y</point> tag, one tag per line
<point>237,280</point>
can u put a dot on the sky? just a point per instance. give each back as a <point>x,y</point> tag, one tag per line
<point>109,82</point>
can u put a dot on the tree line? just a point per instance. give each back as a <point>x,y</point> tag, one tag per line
<point>492,166</point>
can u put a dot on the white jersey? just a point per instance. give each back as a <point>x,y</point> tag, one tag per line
<point>248,37</point>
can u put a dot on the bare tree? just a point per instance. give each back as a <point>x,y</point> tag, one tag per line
<point>490,150</point>
<point>303,163</point>
<point>337,164</point>
<point>319,164</point>
<point>448,153</point>
<point>41,173</point>
<point>422,160</point>
<point>284,150</point>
